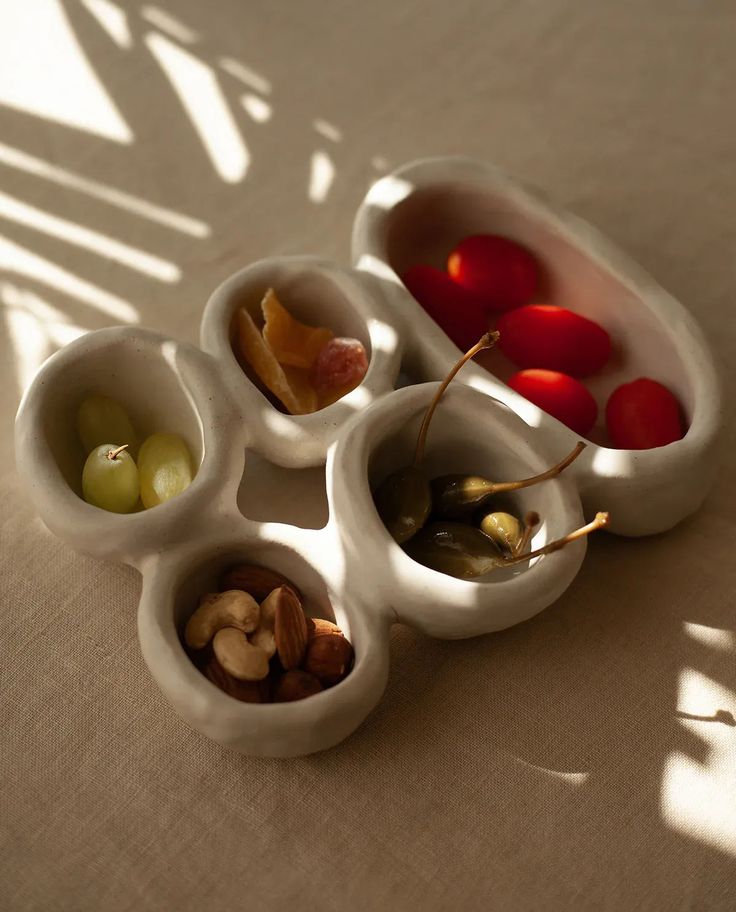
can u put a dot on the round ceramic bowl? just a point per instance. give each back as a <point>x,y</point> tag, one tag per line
<point>318,293</point>
<point>420,212</point>
<point>172,585</point>
<point>470,433</point>
<point>166,386</point>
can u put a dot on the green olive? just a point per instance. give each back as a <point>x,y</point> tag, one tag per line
<point>505,530</point>
<point>404,501</point>
<point>455,549</point>
<point>457,496</point>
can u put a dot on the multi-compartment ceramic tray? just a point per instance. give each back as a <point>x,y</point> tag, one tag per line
<point>351,570</point>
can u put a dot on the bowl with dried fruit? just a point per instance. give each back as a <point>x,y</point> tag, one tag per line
<point>302,344</point>
<point>590,345</point>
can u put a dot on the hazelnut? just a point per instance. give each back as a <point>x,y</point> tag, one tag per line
<point>320,627</point>
<point>295,685</point>
<point>328,658</point>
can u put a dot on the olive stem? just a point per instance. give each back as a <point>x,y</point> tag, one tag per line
<point>530,521</point>
<point>600,521</point>
<point>502,486</point>
<point>113,454</point>
<point>486,341</point>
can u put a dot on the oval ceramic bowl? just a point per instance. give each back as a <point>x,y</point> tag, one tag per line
<point>349,570</point>
<point>420,212</point>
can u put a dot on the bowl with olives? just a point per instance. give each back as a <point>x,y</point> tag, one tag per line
<point>469,526</point>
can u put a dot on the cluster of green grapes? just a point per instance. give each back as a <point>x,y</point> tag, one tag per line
<point>119,475</point>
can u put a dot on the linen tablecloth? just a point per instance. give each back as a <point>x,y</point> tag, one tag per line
<point>583,760</point>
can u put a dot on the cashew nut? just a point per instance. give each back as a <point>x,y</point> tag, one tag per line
<point>238,657</point>
<point>222,609</point>
<point>264,636</point>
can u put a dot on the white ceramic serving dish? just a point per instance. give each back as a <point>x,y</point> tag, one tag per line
<point>419,212</point>
<point>350,568</point>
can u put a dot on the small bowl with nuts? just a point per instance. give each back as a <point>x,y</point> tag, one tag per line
<point>253,647</point>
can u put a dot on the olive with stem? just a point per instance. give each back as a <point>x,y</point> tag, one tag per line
<point>455,496</point>
<point>404,498</point>
<point>465,552</point>
<point>507,532</point>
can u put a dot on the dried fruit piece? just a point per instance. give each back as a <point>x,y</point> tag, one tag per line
<point>340,366</point>
<point>459,312</point>
<point>560,396</point>
<point>293,343</point>
<point>642,415</point>
<point>500,271</point>
<point>550,337</point>
<point>301,385</point>
<point>290,628</point>
<point>253,349</point>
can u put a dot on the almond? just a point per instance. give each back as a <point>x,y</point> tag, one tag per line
<point>290,628</point>
<point>256,580</point>
<point>295,685</point>
<point>328,658</point>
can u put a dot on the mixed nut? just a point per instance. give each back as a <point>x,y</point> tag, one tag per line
<point>253,640</point>
<point>447,524</point>
<point>554,347</point>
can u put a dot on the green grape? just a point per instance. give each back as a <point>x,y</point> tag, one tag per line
<point>100,419</point>
<point>110,479</point>
<point>165,468</point>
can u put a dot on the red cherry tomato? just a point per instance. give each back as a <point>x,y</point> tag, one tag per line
<point>542,335</point>
<point>643,414</point>
<point>456,310</point>
<point>559,395</point>
<point>502,272</point>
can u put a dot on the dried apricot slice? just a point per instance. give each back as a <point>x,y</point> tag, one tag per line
<point>293,343</point>
<point>253,348</point>
<point>302,387</point>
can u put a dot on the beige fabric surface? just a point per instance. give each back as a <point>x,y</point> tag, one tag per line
<point>583,760</point>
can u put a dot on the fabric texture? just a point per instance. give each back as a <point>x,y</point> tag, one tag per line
<point>582,760</point>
